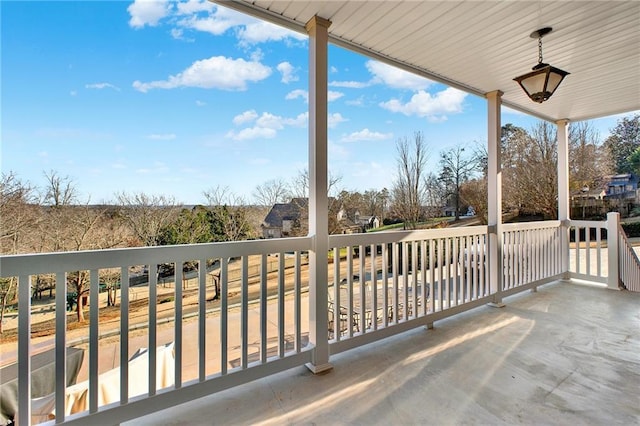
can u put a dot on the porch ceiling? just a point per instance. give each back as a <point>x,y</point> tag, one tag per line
<point>480,46</point>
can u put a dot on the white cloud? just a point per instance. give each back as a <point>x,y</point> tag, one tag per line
<point>334,119</point>
<point>147,12</point>
<point>194,6</point>
<point>205,16</point>
<point>298,93</point>
<point>287,71</point>
<point>162,137</point>
<point>333,69</point>
<point>252,133</point>
<point>73,93</point>
<point>217,72</point>
<point>266,125</point>
<point>332,96</point>
<point>200,103</point>
<point>100,86</point>
<point>350,84</point>
<point>395,77</point>
<point>423,104</point>
<point>355,102</point>
<point>261,32</point>
<point>245,117</point>
<point>366,135</point>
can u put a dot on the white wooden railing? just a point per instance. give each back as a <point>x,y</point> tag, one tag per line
<point>224,355</point>
<point>531,253</point>
<point>629,264</point>
<point>380,284</point>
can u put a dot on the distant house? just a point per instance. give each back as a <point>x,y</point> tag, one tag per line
<point>284,218</point>
<point>622,187</point>
<point>368,222</point>
<point>288,219</point>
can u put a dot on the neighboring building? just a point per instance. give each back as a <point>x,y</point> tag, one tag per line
<point>284,218</point>
<point>287,219</point>
<point>622,187</point>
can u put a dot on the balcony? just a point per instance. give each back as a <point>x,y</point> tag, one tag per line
<point>412,299</point>
<point>435,326</point>
<point>567,354</point>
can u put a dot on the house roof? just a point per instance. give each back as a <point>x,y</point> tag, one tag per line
<point>480,46</point>
<point>285,211</point>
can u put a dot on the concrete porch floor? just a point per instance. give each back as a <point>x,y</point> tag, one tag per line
<point>568,354</point>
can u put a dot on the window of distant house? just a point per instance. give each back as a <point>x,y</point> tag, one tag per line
<point>286,225</point>
<point>629,187</point>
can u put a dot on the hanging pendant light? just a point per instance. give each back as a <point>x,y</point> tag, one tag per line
<point>543,80</point>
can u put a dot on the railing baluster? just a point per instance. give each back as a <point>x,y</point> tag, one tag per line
<point>423,276</point>
<point>337,328</point>
<point>454,273</point>
<point>24,347</point>
<point>60,343</point>
<point>405,279</point>
<point>432,273</point>
<point>385,283</point>
<point>124,335</point>
<point>224,315</point>
<point>263,308</point>
<point>394,280</point>
<point>93,339</point>
<point>178,324</point>
<point>374,287</point>
<point>202,319</point>
<point>281,306</point>
<point>153,330</point>
<point>362,274</point>
<point>587,232</point>
<point>440,276</point>
<point>244,313</point>
<point>297,307</point>
<point>338,308</point>
<point>599,251</point>
<point>447,266</point>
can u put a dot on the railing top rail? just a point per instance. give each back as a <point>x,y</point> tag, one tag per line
<point>588,223</point>
<point>43,263</point>
<point>384,237</point>
<point>547,224</point>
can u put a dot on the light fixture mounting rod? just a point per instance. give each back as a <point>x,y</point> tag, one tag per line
<point>541,32</point>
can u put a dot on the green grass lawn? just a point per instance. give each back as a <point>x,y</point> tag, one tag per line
<point>426,224</point>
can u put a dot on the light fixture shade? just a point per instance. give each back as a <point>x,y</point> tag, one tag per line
<point>542,82</point>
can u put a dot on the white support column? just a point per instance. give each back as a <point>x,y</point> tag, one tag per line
<point>563,193</point>
<point>494,196</point>
<point>318,200</point>
<point>613,278</point>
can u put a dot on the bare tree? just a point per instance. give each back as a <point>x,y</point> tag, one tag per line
<point>456,167</point>
<point>230,214</point>
<point>147,215</point>
<point>474,193</point>
<point>18,216</point>
<point>588,162</point>
<point>68,225</point>
<point>60,191</point>
<point>271,192</point>
<point>408,187</point>
<point>299,187</point>
<point>435,196</point>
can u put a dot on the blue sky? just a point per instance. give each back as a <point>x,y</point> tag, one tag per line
<point>176,98</point>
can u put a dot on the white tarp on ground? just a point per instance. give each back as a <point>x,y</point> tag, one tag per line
<point>77,396</point>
